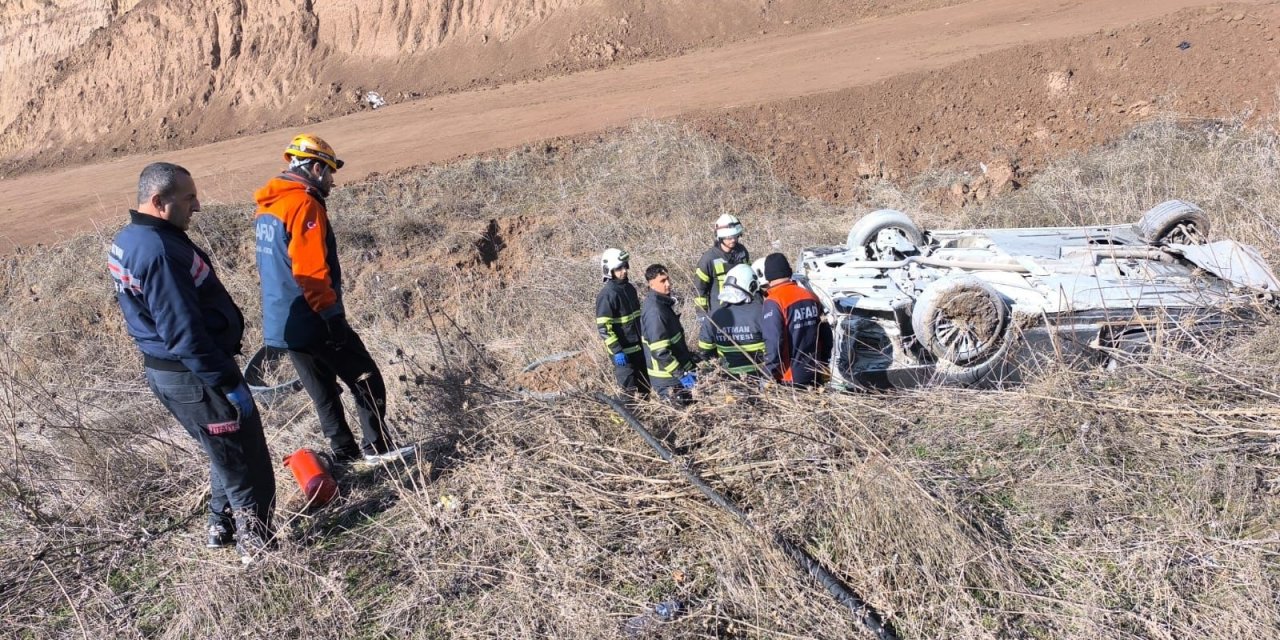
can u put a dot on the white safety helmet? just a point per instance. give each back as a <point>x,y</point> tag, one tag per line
<point>740,285</point>
<point>728,226</point>
<point>612,259</point>
<point>757,268</point>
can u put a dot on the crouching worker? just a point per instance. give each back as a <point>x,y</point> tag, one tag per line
<point>188,328</point>
<point>734,331</point>
<point>668,359</point>
<point>618,320</point>
<point>792,323</point>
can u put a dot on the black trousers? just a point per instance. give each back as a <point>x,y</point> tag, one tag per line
<point>240,474</point>
<point>632,376</point>
<point>319,368</point>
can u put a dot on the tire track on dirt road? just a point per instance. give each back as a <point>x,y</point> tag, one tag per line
<point>37,207</point>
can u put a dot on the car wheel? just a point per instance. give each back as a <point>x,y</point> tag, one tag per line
<point>880,230</point>
<point>1174,222</point>
<point>961,321</point>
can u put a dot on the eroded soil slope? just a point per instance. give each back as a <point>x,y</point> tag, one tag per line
<point>1011,111</point>
<point>90,79</point>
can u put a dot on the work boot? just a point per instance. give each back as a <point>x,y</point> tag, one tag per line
<point>252,537</point>
<point>222,531</point>
<point>345,456</point>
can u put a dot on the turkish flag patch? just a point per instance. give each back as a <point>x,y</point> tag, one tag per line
<point>223,428</point>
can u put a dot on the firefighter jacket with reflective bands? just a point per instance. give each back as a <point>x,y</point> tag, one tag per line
<point>666,356</point>
<point>175,308</point>
<point>734,332</point>
<point>791,323</point>
<point>297,262</point>
<point>712,268</point>
<point>618,317</point>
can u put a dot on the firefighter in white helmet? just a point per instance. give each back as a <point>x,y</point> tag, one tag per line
<point>757,268</point>
<point>727,253</point>
<point>733,331</point>
<point>618,320</point>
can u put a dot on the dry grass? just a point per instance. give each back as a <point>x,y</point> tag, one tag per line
<point>1133,504</point>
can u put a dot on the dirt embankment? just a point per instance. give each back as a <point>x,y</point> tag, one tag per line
<point>1007,113</point>
<point>36,35</point>
<point>96,78</point>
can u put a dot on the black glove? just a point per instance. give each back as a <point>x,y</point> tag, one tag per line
<point>339,331</point>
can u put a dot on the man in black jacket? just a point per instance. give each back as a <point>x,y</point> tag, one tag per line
<point>188,330</point>
<point>668,359</point>
<point>727,253</point>
<point>618,320</point>
<point>734,331</point>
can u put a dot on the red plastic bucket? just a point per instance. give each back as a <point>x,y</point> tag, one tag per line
<point>312,476</point>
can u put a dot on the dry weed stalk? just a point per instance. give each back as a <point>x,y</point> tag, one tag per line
<point>1138,503</point>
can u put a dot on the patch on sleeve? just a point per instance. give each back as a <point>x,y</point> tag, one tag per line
<point>223,428</point>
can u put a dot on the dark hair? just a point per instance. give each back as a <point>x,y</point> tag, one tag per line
<point>159,178</point>
<point>654,270</point>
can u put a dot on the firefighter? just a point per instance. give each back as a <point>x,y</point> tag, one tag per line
<point>618,319</point>
<point>189,329</point>
<point>734,331</point>
<point>757,268</point>
<point>727,253</point>
<point>302,306</point>
<point>792,323</point>
<point>668,360</point>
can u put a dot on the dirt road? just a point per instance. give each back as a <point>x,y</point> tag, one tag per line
<point>37,207</point>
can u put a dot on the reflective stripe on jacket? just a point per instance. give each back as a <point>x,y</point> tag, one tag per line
<point>666,355</point>
<point>791,319</point>
<point>298,265</point>
<point>618,317</point>
<point>712,269</point>
<point>735,332</point>
<point>175,307</point>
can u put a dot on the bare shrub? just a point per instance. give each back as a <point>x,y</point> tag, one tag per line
<point>1137,503</point>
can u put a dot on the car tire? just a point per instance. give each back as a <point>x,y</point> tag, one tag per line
<point>868,228</point>
<point>962,322</point>
<point>1174,221</point>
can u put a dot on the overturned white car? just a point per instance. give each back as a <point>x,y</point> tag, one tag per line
<point>975,307</point>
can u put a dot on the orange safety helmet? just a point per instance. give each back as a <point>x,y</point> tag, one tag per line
<point>305,145</point>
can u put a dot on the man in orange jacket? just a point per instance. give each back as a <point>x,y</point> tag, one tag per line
<point>791,319</point>
<point>302,308</point>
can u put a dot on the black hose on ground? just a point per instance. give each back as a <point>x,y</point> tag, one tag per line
<point>869,617</point>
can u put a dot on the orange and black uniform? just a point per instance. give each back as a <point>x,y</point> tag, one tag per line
<point>302,311</point>
<point>791,319</point>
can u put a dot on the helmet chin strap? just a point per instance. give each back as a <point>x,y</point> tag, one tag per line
<point>301,167</point>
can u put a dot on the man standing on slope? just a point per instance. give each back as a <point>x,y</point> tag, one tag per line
<point>667,357</point>
<point>791,321</point>
<point>734,330</point>
<point>302,308</point>
<point>188,329</point>
<point>618,319</point>
<point>727,253</point>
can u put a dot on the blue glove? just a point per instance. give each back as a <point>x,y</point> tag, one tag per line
<point>620,358</point>
<point>242,398</point>
<point>688,379</point>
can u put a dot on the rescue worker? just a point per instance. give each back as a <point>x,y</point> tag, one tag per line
<point>734,331</point>
<point>792,323</point>
<point>302,306</point>
<point>727,253</point>
<point>618,319</point>
<point>668,360</point>
<point>189,329</point>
